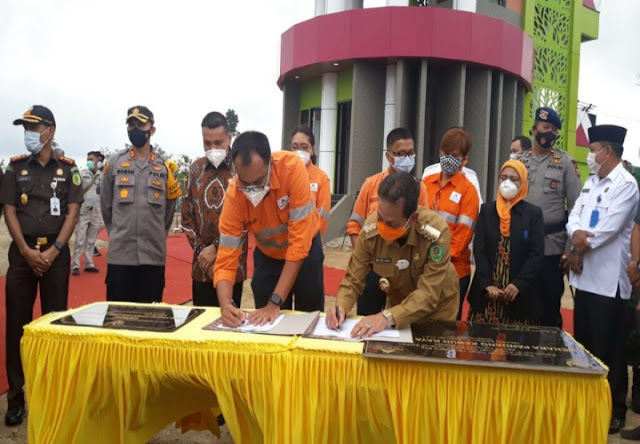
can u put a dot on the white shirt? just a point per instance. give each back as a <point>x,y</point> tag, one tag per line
<point>604,266</point>
<point>466,172</point>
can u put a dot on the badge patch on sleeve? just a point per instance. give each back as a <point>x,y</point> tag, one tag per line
<point>436,253</point>
<point>76,179</point>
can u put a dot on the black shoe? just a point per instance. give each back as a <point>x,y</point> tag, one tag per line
<point>616,425</point>
<point>220,420</point>
<point>14,416</point>
<point>92,270</point>
<point>96,252</point>
<point>75,272</point>
<point>632,434</point>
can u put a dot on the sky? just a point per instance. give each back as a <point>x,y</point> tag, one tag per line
<point>90,60</point>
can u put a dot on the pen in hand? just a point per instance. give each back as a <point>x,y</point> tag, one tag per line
<point>337,318</point>
<point>244,321</point>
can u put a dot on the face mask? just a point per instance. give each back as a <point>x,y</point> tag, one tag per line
<point>306,157</point>
<point>546,140</point>
<point>216,156</point>
<point>91,164</point>
<point>508,189</point>
<point>450,164</point>
<point>404,164</point>
<point>514,156</point>
<point>390,234</point>
<point>594,167</point>
<point>138,138</point>
<point>32,141</point>
<point>256,196</point>
<point>100,164</point>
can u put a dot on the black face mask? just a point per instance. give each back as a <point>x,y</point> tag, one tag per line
<point>138,138</point>
<point>546,140</point>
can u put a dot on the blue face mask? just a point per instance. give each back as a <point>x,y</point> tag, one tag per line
<point>100,164</point>
<point>32,141</point>
<point>91,164</point>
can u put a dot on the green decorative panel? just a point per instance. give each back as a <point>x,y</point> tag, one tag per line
<point>311,94</point>
<point>345,85</point>
<point>552,38</point>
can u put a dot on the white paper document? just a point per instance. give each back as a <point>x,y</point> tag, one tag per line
<point>249,328</point>
<point>345,331</point>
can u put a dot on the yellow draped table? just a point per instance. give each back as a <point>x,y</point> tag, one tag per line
<point>93,385</point>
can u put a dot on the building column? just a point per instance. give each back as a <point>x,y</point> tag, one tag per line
<point>321,7</point>
<point>328,123</point>
<point>389,109</point>
<point>465,5</point>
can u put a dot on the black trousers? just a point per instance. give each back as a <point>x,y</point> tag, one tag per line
<point>552,290</point>
<point>308,289</point>
<point>134,283</point>
<point>373,300</point>
<point>602,325</point>
<point>21,289</point>
<point>204,294</point>
<point>464,286</point>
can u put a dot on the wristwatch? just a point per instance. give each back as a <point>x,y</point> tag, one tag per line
<point>387,314</point>
<point>59,245</point>
<point>276,300</point>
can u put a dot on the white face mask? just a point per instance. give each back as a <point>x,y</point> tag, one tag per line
<point>514,156</point>
<point>216,156</point>
<point>306,157</point>
<point>404,164</point>
<point>32,141</point>
<point>594,167</point>
<point>508,189</point>
<point>256,196</point>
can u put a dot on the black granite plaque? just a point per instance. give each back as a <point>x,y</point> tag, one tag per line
<point>467,343</point>
<point>132,317</point>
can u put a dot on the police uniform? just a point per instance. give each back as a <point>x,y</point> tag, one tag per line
<point>29,187</point>
<point>418,277</point>
<point>89,221</point>
<point>606,208</point>
<point>138,201</point>
<point>554,186</point>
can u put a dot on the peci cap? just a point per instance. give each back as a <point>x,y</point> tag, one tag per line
<point>37,114</point>
<point>142,113</point>
<point>607,133</point>
<point>549,115</point>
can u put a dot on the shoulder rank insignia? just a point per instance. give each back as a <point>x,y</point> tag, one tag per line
<point>18,158</point>
<point>370,230</point>
<point>429,232</point>
<point>575,167</point>
<point>66,159</point>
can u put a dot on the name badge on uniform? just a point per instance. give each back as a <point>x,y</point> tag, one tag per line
<point>595,216</point>
<point>455,197</point>
<point>55,206</point>
<point>314,187</point>
<point>283,201</point>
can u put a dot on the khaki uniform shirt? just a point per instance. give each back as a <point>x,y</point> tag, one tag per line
<point>554,186</point>
<point>135,209</point>
<point>423,283</point>
<point>27,186</point>
<point>91,187</point>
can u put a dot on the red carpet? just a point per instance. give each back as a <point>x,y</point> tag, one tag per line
<point>90,287</point>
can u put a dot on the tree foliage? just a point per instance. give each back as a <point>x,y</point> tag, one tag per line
<point>232,121</point>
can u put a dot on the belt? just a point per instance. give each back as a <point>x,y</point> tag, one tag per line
<point>555,228</point>
<point>40,240</point>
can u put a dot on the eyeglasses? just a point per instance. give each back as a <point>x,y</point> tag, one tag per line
<point>403,154</point>
<point>252,188</point>
<point>514,179</point>
<point>302,146</point>
<point>134,123</point>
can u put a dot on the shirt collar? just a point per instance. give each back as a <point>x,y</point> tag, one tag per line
<point>412,239</point>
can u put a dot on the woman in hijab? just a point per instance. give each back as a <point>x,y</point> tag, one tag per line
<point>509,252</point>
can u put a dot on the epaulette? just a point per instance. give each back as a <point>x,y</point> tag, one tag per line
<point>370,230</point>
<point>67,160</point>
<point>429,232</point>
<point>18,158</point>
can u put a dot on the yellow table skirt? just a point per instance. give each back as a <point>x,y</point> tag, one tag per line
<point>89,385</point>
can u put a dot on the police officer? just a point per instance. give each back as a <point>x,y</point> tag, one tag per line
<point>41,194</point>
<point>138,200</point>
<point>90,217</point>
<point>408,247</point>
<point>554,186</point>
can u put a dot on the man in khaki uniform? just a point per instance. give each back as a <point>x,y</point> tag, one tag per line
<point>554,186</point>
<point>408,246</point>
